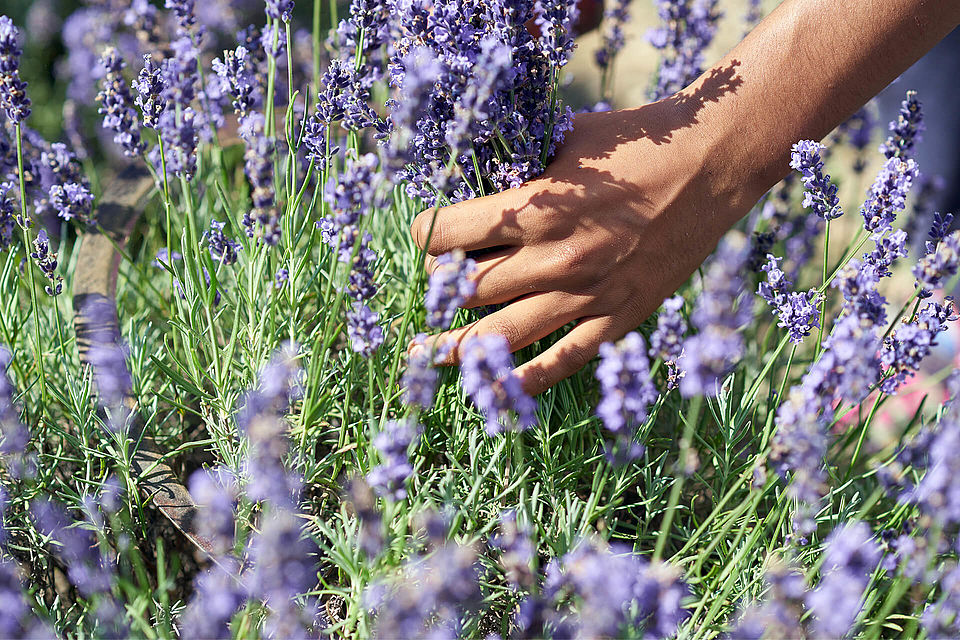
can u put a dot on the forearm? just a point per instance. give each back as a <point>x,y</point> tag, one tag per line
<point>803,71</point>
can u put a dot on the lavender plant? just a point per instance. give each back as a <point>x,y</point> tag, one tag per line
<point>768,475</point>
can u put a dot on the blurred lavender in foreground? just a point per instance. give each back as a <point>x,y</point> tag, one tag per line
<point>488,378</point>
<point>13,90</point>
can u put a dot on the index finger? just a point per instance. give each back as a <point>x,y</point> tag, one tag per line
<point>480,223</point>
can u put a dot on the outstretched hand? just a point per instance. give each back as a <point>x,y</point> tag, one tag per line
<point>630,206</point>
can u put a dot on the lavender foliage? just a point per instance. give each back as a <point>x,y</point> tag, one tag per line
<point>389,478</point>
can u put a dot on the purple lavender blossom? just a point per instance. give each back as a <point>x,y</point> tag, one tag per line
<point>625,384</point>
<point>431,596</point>
<point>778,615</point>
<point>613,588</point>
<point>280,9</point>
<point>17,619</point>
<point>221,247</point>
<point>888,194</point>
<point>364,330</point>
<point>150,88</point>
<point>718,317</point>
<point>281,278</point>
<point>389,478</point>
<point>688,27</point>
<point>517,550</point>
<point>939,228</point>
<point>87,569</point>
<point>258,166</point>
<point>47,261</point>
<point>237,80</point>
<point>449,288</point>
<point>116,105</point>
<point>488,378</point>
<point>555,19</point>
<point>180,137</point>
<point>8,213</point>
<point>800,443</point>
<point>819,194</point>
<point>931,270</point>
<point>666,341</point>
<point>352,194</point>
<point>614,17</point>
<point>850,557</point>
<point>912,341</point>
<point>906,130</point>
<point>858,281</point>
<point>218,595</point>
<point>72,201</point>
<point>13,90</point>
<point>797,311</point>
<point>858,130</point>
<point>185,12</point>
<point>887,249</point>
<point>419,381</point>
<point>283,560</point>
<point>216,493</point>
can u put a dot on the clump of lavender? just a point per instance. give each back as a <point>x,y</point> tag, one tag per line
<point>389,478</point>
<point>912,341</point>
<point>687,29</point>
<point>217,596</point>
<point>626,388</point>
<point>888,194</point>
<point>820,194</point>
<point>150,88</point>
<point>488,379</point>
<point>116,105</point>
<point>718,317</point>
<point>221,247</point>
<point>13,90</point>
<point>858,282</point>
<point>440,119</point>
<point>906,130</point>
<point>47,261</point>
<point>449,288</point>
<point>72,201</point>
<point>850,558</point>
<point>798,311</point>
<point>517,550</point>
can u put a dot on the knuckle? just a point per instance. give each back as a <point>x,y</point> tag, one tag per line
<point>574,356</point>
<point>505,327</point>
<point>571,256</point>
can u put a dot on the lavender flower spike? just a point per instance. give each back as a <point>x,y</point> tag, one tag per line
<point>941,263</point>
<point>72,201</point>
<point>906,129</point>
<point>13,90</point>
<point>116,105</point>
<point>488,379</point>
<point>888,195</point>
<point>718,317</point>
<point>389,478</point>
<point>450,286</point>
<point>626,387</point>
<point>798,312</point>
<point>47,261</point>
<point>819,194</point>
<point>150,88</point>
<point>364,330</point>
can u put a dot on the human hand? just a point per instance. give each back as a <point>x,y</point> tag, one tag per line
<point>630,206</point>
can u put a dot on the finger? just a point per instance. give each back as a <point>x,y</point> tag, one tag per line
<point>473,224</point>
<point>568,355</point>
<point>521,323</point>
<point>510,274</point>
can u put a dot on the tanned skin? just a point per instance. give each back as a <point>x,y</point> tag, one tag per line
<point>636,199</point>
